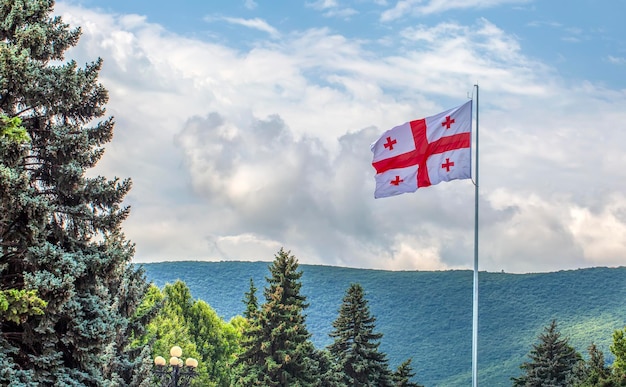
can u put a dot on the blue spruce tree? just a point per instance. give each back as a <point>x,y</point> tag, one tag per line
<point>60,231</point>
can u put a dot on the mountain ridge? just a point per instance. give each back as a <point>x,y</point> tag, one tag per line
<point>427,315</point>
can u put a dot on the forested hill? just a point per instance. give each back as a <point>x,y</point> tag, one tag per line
<point>428,315</point>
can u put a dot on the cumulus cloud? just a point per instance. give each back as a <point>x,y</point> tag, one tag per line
<point>601,233</point>
<point>235,152</point>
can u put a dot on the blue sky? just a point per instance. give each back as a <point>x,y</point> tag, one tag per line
<point>583,40</point>
<point>245,126</point>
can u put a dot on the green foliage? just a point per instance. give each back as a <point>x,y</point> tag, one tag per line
<point>355,346</point>
<point>276,348</point>
<point>251,301</point>
<point>592,372</point>
<point>330,372</point>
<point>17,305</point>
<point>60,231</point>
<point>11,128</point>
<point>618,370</point>
<point>552,361</point>
<point>618,348</point>
<point>195,327</point>
<point>428,315</point>
<point>403,375</point>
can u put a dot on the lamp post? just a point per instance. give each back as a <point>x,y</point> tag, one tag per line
<point>176,373</point>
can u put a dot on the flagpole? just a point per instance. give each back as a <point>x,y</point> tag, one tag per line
<point>475,292</point>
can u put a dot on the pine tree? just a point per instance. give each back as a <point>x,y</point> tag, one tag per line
<point>251,301</point>
<point>552,361</point>
<point>592,372</point>
<point>330,374</point>
<point>355,346</point>
<point>403,375</point>
<point>60,231</point>
<point>277,350</point>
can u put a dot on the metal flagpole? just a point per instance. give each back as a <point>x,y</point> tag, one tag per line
<point>475,292</point>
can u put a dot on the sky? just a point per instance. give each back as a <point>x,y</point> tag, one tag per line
<point>245,126</point>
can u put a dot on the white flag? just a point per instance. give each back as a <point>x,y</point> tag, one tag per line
<point>424,152</point>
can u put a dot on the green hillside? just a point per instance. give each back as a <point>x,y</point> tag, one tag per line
<point>428,315</point>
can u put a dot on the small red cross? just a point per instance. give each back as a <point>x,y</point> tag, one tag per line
<point>397,181</point>
<point>389,144</point>
<point>448,122</point>
<point>447,165</point>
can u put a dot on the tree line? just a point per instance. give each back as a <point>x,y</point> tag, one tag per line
<point>552,361</point>
<point>269,345</point>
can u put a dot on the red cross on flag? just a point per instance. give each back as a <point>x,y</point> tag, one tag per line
<point>424,152</point>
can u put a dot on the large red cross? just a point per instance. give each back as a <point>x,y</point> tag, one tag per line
<point>423,149</point>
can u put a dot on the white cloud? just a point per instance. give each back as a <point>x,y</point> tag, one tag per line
<point>322,4</point>
<point>331,8</point>
<point>602,233</point>
<point>344,13</point>
<point>404,8</point>
<point>256,23</point>
<point>250,4</point>
<point>541,23</point>
<point>412,255</point>
<point>536,232</point>
<point>235,153</point>
<point>616,60</point>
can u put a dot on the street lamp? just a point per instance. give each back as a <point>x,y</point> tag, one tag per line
<point>177,373</point>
